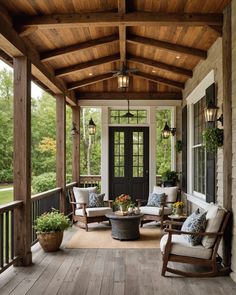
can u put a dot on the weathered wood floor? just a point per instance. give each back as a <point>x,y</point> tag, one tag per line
<point>104,272</point>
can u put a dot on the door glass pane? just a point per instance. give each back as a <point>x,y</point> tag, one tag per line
<point>119,154</point>
<point>137,154</point>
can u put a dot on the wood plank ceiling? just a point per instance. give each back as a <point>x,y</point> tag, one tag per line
<point>82,41</point>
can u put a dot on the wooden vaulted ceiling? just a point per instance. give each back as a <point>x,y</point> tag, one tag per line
<point>80,42</point>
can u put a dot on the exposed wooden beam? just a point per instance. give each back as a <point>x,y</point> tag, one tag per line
<point>130,95</point>
<point>160,65</point>
<point>61,149</point>
<point>22,159</point>
<point>17,46</point>
<point>85,82</point>
<point>112,19</point>
<point>82,66</point>
<point>160,80</point>
<point>122,30</point>
<point>48,55</point>
<point>216,29</point>
<point>167,46</point>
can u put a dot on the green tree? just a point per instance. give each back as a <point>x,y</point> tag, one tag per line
<point>6,126</point>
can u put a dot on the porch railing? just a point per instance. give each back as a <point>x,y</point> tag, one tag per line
<point>7,216</point>
<point>90,180</point>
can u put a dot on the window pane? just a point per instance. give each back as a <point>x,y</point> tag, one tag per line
<point>135,171</point>
<point>140,174</point>
<point>135,137</point>
<point>116,117</point>
<point>199,170</point>
<point>199,120</point>
<point>122,173</point>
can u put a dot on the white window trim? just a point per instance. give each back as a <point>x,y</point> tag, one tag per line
<point>197,94</point>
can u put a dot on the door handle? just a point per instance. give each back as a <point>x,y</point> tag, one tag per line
<point>146,173</point>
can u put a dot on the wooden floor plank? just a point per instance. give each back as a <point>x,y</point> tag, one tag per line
<point>104,272</point>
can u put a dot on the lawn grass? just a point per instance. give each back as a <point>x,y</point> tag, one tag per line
<point>6,197</point>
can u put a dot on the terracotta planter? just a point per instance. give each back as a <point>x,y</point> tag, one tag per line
<point>50,242</point>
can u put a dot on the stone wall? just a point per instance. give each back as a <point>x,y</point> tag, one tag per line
<point>233,274</point>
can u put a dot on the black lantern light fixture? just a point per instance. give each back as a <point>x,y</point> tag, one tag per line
<point>74,129</point>
<point>167,131</point>
<point>91,127</point>
<point>123,81</point>
<point>211,113</point>
<point>128,114</point>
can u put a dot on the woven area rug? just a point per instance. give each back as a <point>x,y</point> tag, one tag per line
<point>99,237</point>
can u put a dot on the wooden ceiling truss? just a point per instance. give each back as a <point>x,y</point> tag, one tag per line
<point>160,44</point>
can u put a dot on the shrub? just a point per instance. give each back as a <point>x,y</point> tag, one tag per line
<point>51,222</point>
<point>46,181</point>
<point>6,176</point>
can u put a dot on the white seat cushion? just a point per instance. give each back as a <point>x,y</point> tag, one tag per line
<point>171,192</point>
<point>214,217</point>
<point>154,210</point>
<point>181,247</point>
<point>82,194</point>
<point>94,212</point>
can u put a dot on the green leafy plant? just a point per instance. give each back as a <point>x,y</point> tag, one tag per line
<point>213,138</point>
<point>51,222</point>
<point>178,146</point>
<point>46,181</point>
<point>170,176</point>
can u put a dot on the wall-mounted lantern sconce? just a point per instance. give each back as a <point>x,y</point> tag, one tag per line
<point>167,131</point>
<point>91,127</point>
<point>211,113</point>
<point>74,130</point>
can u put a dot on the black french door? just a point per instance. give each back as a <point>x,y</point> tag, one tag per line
<point>129,161</point>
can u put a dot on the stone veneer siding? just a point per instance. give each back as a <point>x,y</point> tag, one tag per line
<point>214,61</point>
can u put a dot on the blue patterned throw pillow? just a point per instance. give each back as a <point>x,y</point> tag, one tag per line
<point>196,222</point>
<point>96,200</point>
<point>155,200</point>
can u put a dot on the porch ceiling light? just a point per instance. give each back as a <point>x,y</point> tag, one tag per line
<point>211,113</point>
<point>167,131</point>
<point>123,81</point>
<point>91,127</point>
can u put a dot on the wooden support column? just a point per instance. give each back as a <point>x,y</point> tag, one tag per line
<point>61,148</point>
<point>227,113</point>
<point>76,145</point>
<point>22,159</point>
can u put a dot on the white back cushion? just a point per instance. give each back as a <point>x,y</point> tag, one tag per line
<point>81,194</point>
<point>214,217</point>
<point>171,192</point>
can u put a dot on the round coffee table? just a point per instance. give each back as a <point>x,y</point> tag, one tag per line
<point>124,227</point>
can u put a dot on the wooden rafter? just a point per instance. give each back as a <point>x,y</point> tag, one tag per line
<point>16,46</point>
<point>85,82</point>
<point>82,66</point>
<point>122,30</point>
<point>130,95</point>
<point>160,65</point>
<point>112,19</point>
<point>160,80</point>
<point>167,46</point>
<point>48,55</point>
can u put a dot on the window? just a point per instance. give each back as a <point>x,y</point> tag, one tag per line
<point>199,154</point>
<point>117,117</point>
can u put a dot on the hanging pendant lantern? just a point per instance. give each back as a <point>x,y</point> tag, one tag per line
<point>166,131</point>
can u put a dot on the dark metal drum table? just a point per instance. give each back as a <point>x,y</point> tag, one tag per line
<point>124,227</point>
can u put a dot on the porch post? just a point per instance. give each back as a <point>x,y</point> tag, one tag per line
<point>76,145</point>
<point>22,159</point>
<point>61,148</point>
<point>227,113</point>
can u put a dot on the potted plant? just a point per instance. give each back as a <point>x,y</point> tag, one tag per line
<point>49,228</point>
<point>123,201</point>
<point>178,208</point>
<point>170,178</point>
<point>213,138</point>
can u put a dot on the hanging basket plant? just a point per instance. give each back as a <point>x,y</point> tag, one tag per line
<point>213,138</point>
